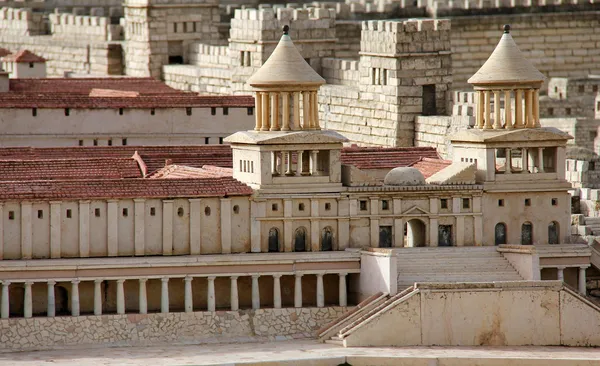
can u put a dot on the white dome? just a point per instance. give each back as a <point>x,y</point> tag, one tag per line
<point>404,176</point>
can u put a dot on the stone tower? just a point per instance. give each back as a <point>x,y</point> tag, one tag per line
<point>158,32</point>
<point>520,164</point>
<point>255,34</point>
<point>287,152</point>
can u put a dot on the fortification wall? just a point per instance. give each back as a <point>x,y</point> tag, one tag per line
<point>584,131</point>
<point>341,72</point>
<point>21,22</point>
<point>558,44</point>
<point>67,26</point>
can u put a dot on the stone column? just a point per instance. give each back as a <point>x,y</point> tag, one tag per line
<point>255,293</point>
<point>276,291</point>
<point>143,298</point>
<point>540,159</point>
<point>536,108</point>
<point>55,229</point>
<point>306,113</point>
<point>497,114</point>
<point>298,291</point>
<point>167,227</point>
<point>285,113</point>
<point>84,228</point>
<point>265,112</point>
<point>582,281</point>
<point>98,297</point>
<point>525,160</point>
<point>274,111</point>
<point>26,232</point>
<point>518,109</point>
<point>507,111</point>
<point>487,111</point>
<point>51,306</point>
<point>508,165</point>
<point>258,110</point>
<point>315,110</point>
<point>164,295</point>
<point>120,297</point>
<point>75,298</point>
<point>112,227</point>
<point>281,162</point>
<point>210,296</point>
<point>343,294</point>
<point>299,163</point>
<point>188,296</point>
<point>27,300</point>
<point>480,109</point>
<point>289,170</point>
<point>560,273</point>
<point>529,109</point>
<point>313,162</point>
<point>5,308</point>
<point>139,222</point>
<point>320,291</point>
<point>296,122</point>
<point>234,299</point>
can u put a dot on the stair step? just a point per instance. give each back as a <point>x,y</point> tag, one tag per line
<point>337,342</point>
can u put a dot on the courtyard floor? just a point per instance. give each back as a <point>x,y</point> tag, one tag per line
<point>294,352</point>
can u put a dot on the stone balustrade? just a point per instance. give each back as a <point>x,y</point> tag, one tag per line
<point>282,163</point>
<point>99,294</point>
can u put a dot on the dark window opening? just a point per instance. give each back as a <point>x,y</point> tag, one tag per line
<point>273,240</point>
<point>67,111</point>
<point>207,140</point>
<point>188,111</point>
<point>40,214</point>
<point>124,142</point>
<point>80,142</point>
<point>213,111</point>
<point>250,111</point>
<point>592,165</point>
<point>501,203</point>
<point>327,206</point>
<point>274,207</point>
<point>385,236</point>
<point>34,112</point>
<point>385,205</point>
<point>363,205</point>
<point>95,142</point>
<point>300,240</point>
<point>11,215</point>
<point>527,202</point>
<point>466,203</point>
<point>595,88</point>
<point>236,209</point>
<point>527,234</point>
<point>554,202</point>
<point>428,106</point>
<point>180,211</point>
<point>568,111</point>
<point>97,212</point>
<point>301,207</point>
<point>175,60</point>
<point>553,236</point>
<point>109,142</point>
<point>327,239</point>
<point>120,111</point>
<point>220,141</point>
<point>225,111</point>
<point>69,213</point>
<point>445,235</point>
<point>152,111</point>
<point>444,203</point>
<point>125,212</point>
<point>500,234</point>
<point>152,211</point>
<point>31,65</point>
<point>206,211</point>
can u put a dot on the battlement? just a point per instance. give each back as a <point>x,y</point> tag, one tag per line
<point>84,27</point>
<point>21,22</point>
<point>146,3</point>
<point>264,24</point>
<point>340,71</point>
<point>392,38</point>
<point>475,7</point>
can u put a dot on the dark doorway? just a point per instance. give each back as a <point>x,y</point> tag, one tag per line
<point>175,60</point>
<point>16,299</point>
<point>527,234</point>
<point>429,107</point>
<point>327,239</point>
<point>553,233</point>
<point>414,233</point>
<point>385,236</point>
<point>500,234</point>
<point>61,301</point>
<point>300,240</point>
<point>273,240</point>
<point>575,205</point>
<point>445,236</point>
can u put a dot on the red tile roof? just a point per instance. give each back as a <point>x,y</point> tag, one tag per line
<point>429,167</point>
<point>123,188</point>
<point>384,158</point>
<point>91,93</point>
<point>64,169</point>
<point>24,56</point>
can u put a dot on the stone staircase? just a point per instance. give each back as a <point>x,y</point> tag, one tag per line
<point>592,226</point>
<point>453,264</point>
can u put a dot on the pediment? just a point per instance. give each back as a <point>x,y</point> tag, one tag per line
<point>515,135</point>
<point>286,137</point>
<point>415,210</point>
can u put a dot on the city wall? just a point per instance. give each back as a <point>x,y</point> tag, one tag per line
<point>84,27</point>
<point>149,329</point>
<point>21,22</point>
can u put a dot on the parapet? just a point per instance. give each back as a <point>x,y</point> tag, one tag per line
<point>264,24</point>
<point>391,38</point>
<point>21,21</point>
<point>87,27</point>
<point>484,7</point>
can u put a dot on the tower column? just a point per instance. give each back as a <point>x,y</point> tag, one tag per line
<point>560,273</point>
<point>255,293</point>
<point>274,111</point>
<point>529,109</point>
<point>265,112</point>
<point>258,111</point>
<point>296,122</point>
<point>98,297</point>
<point>75,298</point>
<point>289,163</point>
<point>536,108</point>
<point>51,306</point>
<point>306,123</point>
<point>276,291</point>
<point>210,296</point>
<point>540,159</point>
<point>508,164</point>
<point>298,291</point>
<point>342,289</point>
<point>320,291</point>
<point>497,114</point>
<point>299,163</point>
<point>5,308</point>
<point>285,122</point>
<point>507,111</point>
<point>313,162</point>
<point>315,110</point>
<point>28,301</point>
<point>143,299</point>
<point>480,109</point>
<point>235,302</point>
<point>188,298</point>
<point>487,111</point>
<point>120,297</point>
<point>164,295</point>
<point>519,109</point>
<point>525,160</point>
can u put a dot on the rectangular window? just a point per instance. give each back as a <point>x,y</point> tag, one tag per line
<point>95,142</point>
<point>274,207</point>
<point>527,202</point>
<point>554,202</point>
<point>109,142</point>
<point>595,88</point>
<point>34,112</point>
<point>466,203</point>
<point>80,142</point>
<point>174,27</point>
<point>251,167</point>
<point>152,211</point>
<point>120,111</point>
<point>220,141</point>
<point>385,205</point>
<point>67,111</point>
<point>225,111</point>
<point>188,111</point>
<point>97,212</point>
<point>213,111</point>
<point>444,203</point>
<point>124,142</point>
<point>250,111</point>
<point>184,27</point>
<point>500,203</point>
<point>207,140</point>
<point>327,206</point>
<point>568,111</point>
<point>69,213</point>
<point>152,111</point>
<point>363,205</point>
<point>11,215</point>
<point>40,214</point>
<point>125,212</point>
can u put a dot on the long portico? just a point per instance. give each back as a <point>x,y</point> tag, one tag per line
<point>92,286</point>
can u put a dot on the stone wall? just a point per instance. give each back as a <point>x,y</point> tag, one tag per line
<point>558,44</point>
<point>157,329</point>
<point>584,131</point>
<point>84,27</point>
<point>435,131</point>
<point>21,22</point>
<point>341,72</point>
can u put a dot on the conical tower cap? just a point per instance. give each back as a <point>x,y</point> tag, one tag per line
<point>285,67</point>
<point>507,65</point>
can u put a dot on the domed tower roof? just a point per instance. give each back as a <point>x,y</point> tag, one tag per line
<point>285,67</point>
<point>507,65</point>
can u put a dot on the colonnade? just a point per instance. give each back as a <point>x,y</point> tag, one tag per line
<point>538,161</point>
<point>526,113</point>
<point>281,163</point>
<point>280,111</point>
<point>581,278</point>
<point>164,304</point>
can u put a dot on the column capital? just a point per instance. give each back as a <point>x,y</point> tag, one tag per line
<point>584,267</point>
<point>561,267</point>
<point>29,283</point>
<point>75,281</point>
<point>320,274</point>
<point>112,200</point>
<point>51,283</point>
<point>211,278</point>
<point>165,279</point>
<point>299,274</point>
<point>234,278</point>
<point>6,283</point>
<point>255,276</point>
<point>188,278</point>
<point>98,280</point>
<point>143,280</point>
<point>277,276</point>
<point>120,281</point>
<point>342,274</point>
<point>139,200</point>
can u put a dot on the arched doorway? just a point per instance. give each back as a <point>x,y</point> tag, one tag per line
<point>273,240</point>
<point>553,233</point>
<point>500,233</point>
<point>527,233</point>
<point>327,239</point>
<point>300,240</point>
<point>415,233</point>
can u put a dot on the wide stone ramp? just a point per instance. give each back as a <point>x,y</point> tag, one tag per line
<point>453,264</point>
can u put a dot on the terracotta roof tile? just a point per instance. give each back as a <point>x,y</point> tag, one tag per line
<point>429,167</point>
<point>23,56</point>
<point>384,158</point>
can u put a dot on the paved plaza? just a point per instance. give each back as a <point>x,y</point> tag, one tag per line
<point>294,352</point>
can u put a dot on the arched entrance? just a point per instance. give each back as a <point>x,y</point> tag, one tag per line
<point>273,240</point>
<point>300,240</point>
<point>553,233</point>
<point>327,239</point>
<point>415,233</point>
<point>500,233</point>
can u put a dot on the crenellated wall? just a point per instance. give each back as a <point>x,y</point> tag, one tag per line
<point>21,22</point>
<point>84,27</point>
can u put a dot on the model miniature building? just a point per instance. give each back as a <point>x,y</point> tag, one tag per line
<point>285,223</point>
<point>24,64</point>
